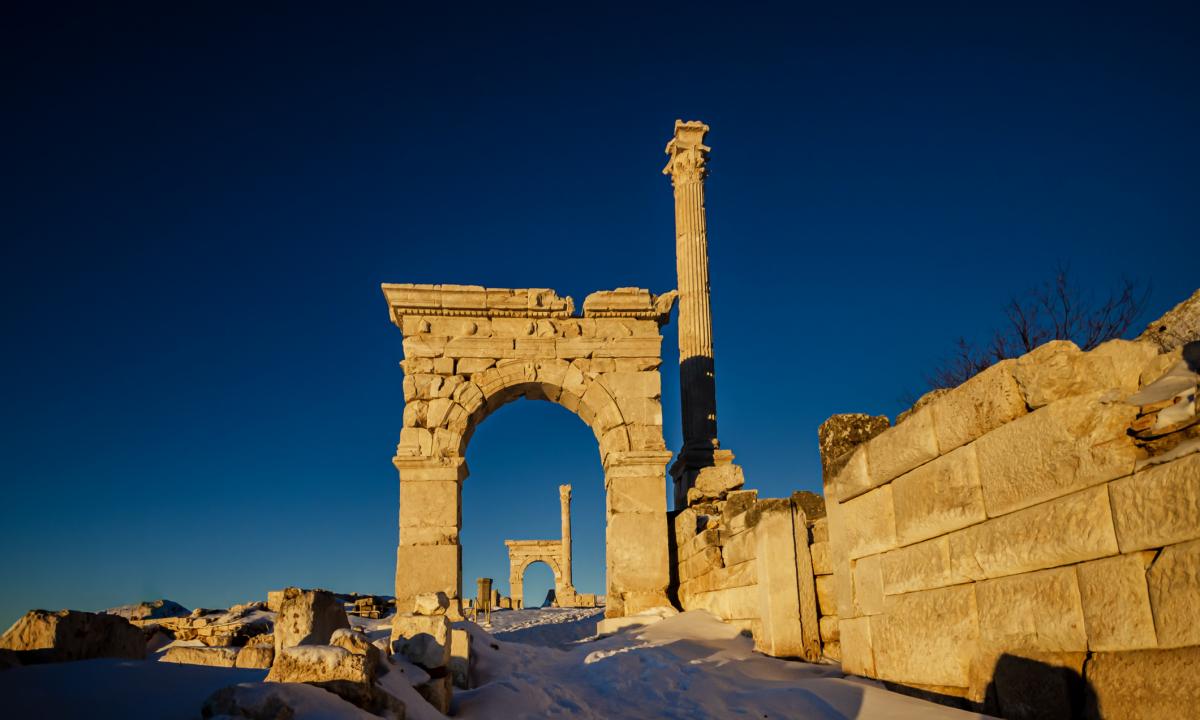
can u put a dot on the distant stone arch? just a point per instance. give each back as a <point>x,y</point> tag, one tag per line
<point>470,350</point>
<point>522,554</point>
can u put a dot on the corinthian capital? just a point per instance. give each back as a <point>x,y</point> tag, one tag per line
<point>688,152</point>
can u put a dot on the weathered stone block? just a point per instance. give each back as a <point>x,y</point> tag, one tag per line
<point>978,406</point>
<point>730,603</point>
<point>868,585</point>
<point>740,547</point>
<point>870,522</point>
<point>938,497</point>
<point>1145,684</point>
<point>426,568</point>
<point>829,628</point>
<point>820,530</point>
<point>926,637</point>
<point>826,594</point>
<point>922,566</point>
<point>307,617</point>
<point>645,494</point>
<point>1175,595</point>
<point>1158,506</point>
<point>779,600</point>
<point>1063,447</point>
<point>423,640</point>
<point>822,565</point>
<point>255,656</point>
<point>210,656</point>
<point>637,551</point>
<point>633,384</point>
<point>857,655</point>
<point>1070,529</point>
<point>1033,611</point>
<point>902,448</point>
<point>1025,684</point>
<point>1059,370</point>
<point>630,347</point>
<point>429,503</point>
<point>69,635</point>
<point>1116,603</point>
<point>700,563</point>
<point>853,479</point>
<point>472,347</point>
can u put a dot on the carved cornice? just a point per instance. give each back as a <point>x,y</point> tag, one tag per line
<point>629,303</point>
<point>688,153</point>
<point>475,301</point>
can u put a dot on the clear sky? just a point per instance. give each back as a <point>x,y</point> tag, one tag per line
<point>201,389</point>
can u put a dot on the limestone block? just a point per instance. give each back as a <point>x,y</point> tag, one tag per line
<point>779,600</point>
<point>625,327</point>
<point>1116,603</point>
<point>1033,611</point>
<point>723,578</point>
<point>705,561</point>
<point>832,650</point>
<point>639,494</point>
<point>69,635</point>
<point>822,565</point>
<point>701,540</point>
<point>426,568</point>
<point>443,366</point>
<point>868,585</point>
<point>853,479</point>
<point>1059,369</point>
<point>978,406</point>
<point>826,594</point>
<point>210,656</point>
<point>1063,447</point>
<point>460,658</point>
<point>686,525</point>
<point>1175,595</point>
<point>645,437</point>
<point>938,497</point>
<point>926,637</point>
<point>902,448</point>
<point>1029,684</point>
<point>870,522</point>
<point>820,530</point>
<point>1069,529</point>
<point>740,547</point>
<point>417,365</point>
<point>630,347</point>
<point>922,566</point>
<point>429,503</point>
<point>1159,505</point>
<point>840,434</point>
<point>637,551</point>
<point>640,411</point>
<point>1145,684</point>
<point>473,347</point>
<point>729,603</point>
<point>829,628</point>
<point>717,480</point>
<point>534,347</point>
<point>839,558</point>
<point>320,664</point>
<point>424,346</point>
<point>633,384</point>
<point>470,366</point>
<point>423,640</point>
<point>307,617</point>
<point>857,655</point>
<point>255,656</point>
<point>431,603</point>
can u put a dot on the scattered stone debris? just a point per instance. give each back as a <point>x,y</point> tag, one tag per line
<point>42,636</point>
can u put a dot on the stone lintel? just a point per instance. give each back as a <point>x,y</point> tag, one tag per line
<point>535,303</point>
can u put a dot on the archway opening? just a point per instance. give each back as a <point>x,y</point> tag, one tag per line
<point>519,456</point>
<point>538,582</point>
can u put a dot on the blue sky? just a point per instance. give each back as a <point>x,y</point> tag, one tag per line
<point>202,394</point>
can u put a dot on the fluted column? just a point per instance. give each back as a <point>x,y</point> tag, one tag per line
<point>564,497</point>
<point>697,383</point>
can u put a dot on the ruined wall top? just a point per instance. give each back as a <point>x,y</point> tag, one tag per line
<point>478,301</point>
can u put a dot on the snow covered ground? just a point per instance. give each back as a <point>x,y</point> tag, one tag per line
<point>532,664</point>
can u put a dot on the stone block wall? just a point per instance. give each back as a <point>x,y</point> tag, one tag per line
<point>747,561</point>
<point>1039,516</point>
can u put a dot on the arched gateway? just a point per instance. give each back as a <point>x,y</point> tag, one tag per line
<point>467,351</point>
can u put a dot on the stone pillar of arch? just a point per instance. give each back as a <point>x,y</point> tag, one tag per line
<point>469,350</point>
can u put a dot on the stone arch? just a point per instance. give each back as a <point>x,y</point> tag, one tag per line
<point>522,554</point>
<point>470,350</point>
